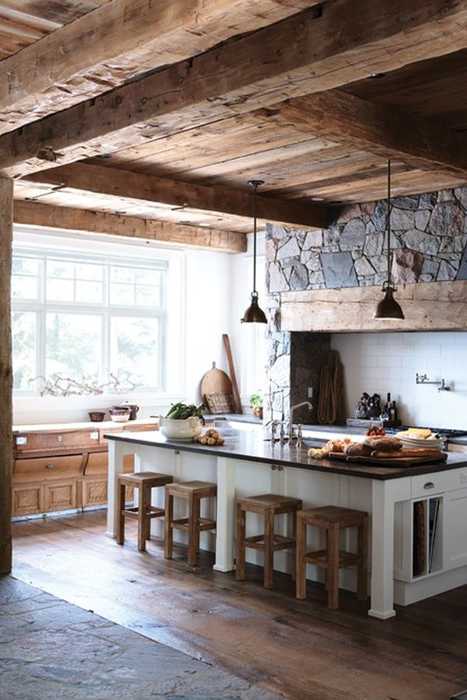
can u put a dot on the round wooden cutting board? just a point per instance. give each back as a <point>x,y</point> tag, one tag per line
<point>215,381</point>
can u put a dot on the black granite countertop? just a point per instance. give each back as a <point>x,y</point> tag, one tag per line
<point>251,447</point>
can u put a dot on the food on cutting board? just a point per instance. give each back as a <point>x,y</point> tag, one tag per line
<point>211,437</point>
<point>384,443</point>
<point>375,430</point>
<point>358,449</point>
<point>338,445</point>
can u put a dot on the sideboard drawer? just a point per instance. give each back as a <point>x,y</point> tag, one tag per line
<point>27,442</point>
<point>39,468</point>
<point>439,482</point>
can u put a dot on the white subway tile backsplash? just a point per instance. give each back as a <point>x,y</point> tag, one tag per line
<point>388,362</point>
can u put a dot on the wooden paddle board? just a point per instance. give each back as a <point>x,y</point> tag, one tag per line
<point>215,381</point>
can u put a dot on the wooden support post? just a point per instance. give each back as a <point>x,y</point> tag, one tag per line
<point>6,435</point>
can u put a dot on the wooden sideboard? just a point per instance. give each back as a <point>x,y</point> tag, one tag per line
<point>64,466</point>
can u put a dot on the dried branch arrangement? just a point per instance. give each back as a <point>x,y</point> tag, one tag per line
<point>58,385</point>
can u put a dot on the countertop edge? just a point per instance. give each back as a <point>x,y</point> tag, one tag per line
<point>323,466</point>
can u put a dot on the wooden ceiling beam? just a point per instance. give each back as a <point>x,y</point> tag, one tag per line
<point>292,58</point>
<point>389,132</point>
<point>68,218</point>
<point>111,45</point>
<point>174,193</point>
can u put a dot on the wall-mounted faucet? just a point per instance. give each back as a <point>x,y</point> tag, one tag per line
<point>423,379</point>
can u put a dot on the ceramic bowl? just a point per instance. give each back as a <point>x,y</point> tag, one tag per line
<point>186,429</point>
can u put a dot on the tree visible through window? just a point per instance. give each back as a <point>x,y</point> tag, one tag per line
<point>85,318</point>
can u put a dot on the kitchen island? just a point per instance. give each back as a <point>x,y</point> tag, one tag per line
<point>247,465</point>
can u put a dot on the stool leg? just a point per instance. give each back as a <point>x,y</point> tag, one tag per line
<point>294,535</point>
<point>121,514</point>
<point>193,532</point>
<point>333,567</point>
<point>147,511</point>
<point>268,547</point>
<point>300,583</point>
<point>240,537</point>
<point>168,529</point>
<point>362,585</point>
<point>142,520</point>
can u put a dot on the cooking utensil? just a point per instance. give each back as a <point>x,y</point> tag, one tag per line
<point>215,381</point>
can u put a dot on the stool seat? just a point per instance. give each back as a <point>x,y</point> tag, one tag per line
<point>144,482</point>
<point>269,501</point>
<point>150,479</point>
<point>332,520</point>
<point>194,524</point>
<point>201,488</point>
<point>328,515</point>
<point>269,505</point>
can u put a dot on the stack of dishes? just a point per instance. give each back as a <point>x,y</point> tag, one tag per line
<point>419,437</point>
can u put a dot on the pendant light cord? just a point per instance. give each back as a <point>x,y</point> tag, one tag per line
<point>255,188</point>
<point>389,224</point>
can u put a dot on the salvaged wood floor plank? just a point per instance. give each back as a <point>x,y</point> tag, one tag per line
<point>301,649</point>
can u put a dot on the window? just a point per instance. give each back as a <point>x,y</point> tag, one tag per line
<point>87,318</point>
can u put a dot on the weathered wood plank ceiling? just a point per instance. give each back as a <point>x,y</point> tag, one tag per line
<point>22,22</point>
<point>314,105</point>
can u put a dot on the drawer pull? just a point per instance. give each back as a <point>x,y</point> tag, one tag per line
<point>50,466</point>
<point>429,485</point>
<point>60,438</point>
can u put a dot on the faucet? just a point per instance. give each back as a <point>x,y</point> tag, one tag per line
<point>423,379</point>
<point>299,427</point>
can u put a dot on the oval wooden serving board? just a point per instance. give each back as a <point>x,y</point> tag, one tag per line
<point>215,381</point>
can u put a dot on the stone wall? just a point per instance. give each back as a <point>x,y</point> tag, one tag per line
<point>429,237</point>
<point>429,240</point>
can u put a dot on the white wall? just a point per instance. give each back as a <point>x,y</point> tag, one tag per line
<point>382,362</point>
<point>208,293</point>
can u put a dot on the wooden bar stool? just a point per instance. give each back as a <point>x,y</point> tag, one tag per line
<point>144,482</point>
<point>194,524</point>
<point>269,506</point>
<point>332,519</point>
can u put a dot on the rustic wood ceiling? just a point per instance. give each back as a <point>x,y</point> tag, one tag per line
<point>22,22</point>
<point>323,95</point>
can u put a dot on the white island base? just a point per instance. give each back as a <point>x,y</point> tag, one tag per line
<point>388,501</point>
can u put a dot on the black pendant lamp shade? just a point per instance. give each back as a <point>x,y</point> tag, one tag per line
<point>254,313</point>
<point>388,309</point>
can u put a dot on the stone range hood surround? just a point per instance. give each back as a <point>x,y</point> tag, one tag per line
<point>330,280</point>
<point>427,307</point>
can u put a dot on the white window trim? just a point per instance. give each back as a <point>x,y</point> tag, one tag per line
<point>27,239</point>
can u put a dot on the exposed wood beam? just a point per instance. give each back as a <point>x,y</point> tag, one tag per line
<point>295,57</point>
<point>390,132</point>
<point>47,216</point>
<point>105,48</point>
<point>6,435</point>
<point>144,188</point>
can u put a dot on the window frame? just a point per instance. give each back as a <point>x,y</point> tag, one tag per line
<point>41,307</point>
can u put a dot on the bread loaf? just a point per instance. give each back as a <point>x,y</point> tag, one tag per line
<point>383,444</point>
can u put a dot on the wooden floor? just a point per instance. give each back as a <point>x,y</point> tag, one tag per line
<point>299,649</point>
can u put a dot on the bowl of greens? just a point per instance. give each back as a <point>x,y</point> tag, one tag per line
<point>182,422</point>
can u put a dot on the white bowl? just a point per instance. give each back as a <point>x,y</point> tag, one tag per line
<point>176,429</point>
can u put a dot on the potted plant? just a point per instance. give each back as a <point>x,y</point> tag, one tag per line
<point>256,404</point>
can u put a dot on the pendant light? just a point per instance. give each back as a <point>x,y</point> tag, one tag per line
<point>254,313</point>
<point>388,309</point>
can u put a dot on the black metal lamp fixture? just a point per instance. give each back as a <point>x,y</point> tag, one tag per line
<point>388,309</point>
<point>254,313</point>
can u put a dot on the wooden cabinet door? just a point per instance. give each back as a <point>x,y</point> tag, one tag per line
<point>455,529</point>
<point>94,492</point>
<point>27,500</point>
<point>60,495</point>
<point>55,440</point>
